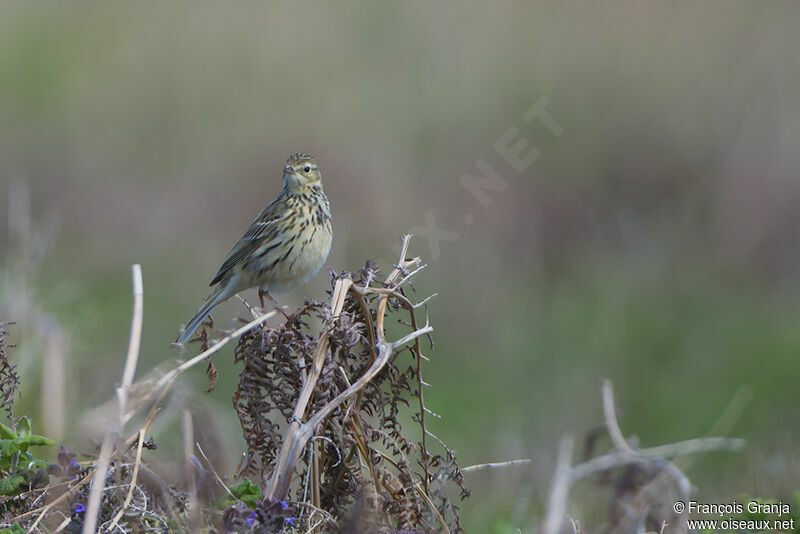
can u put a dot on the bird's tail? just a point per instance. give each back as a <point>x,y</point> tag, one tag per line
<point>218,295</point>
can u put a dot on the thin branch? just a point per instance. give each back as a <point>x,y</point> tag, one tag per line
<point>662,452</point>
<point>433,508</point>
<point>407,277</point>
<point>385,350</point>
<point>191,481</point>
<point>98,485</point>
<point>559,488</point>
<point>134,478</point>
<point>213,470</point>
<point>104,460</point>
<point>495,465</point>
<point>214,348</point>
<point>427,329</point>
<point>610,414</point>
<point>135,340</point>
<point>425,301</point>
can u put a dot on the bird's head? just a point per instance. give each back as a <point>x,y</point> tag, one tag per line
<point>301,171</point>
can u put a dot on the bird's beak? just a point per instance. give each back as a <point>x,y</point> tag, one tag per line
<point>288,170</point>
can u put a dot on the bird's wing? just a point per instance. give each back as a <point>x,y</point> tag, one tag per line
<point>263,229</point>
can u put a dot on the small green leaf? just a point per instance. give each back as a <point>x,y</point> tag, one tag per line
<point>10,484</point>
<point>8,447</point>
<point>33,439</point>
<point>247,492</point>
<point>24,426</point>
<point>15,529</point>
<point>7,433</point>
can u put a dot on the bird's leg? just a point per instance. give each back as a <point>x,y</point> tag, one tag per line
<point>263,293</point>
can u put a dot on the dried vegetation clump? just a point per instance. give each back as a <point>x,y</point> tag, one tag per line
<point>359,460</point>
<point>332,412</point>
<point>9,379</point>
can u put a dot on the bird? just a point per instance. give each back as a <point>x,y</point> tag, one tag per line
<point>284,247</point>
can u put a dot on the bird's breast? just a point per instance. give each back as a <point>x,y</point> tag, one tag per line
<point>303,252</point>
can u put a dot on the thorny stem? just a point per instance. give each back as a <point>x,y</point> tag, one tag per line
<point>299,433</point>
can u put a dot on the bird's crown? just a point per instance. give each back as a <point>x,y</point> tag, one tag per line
<point>298,159</point>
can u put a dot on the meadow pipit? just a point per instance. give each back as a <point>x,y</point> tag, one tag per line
<point>284,247</point>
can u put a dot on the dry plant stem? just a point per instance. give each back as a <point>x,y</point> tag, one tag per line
<point>432,506</point>
<point>315,482</point>
<point>673,450</point>
<point>421,398</point>
<point>98,484</point>
<point>172,375</point>
<point>134,478</point>
<point>559,489</point>
<point>358,427</point>
<point>361,445</point>
<point>297,435</point>
<point>67,520</point>
<point>610,414</point>
<point>213,470</point>
<point>135,341</point>
<point>337,303</point>
<point>188,450</point>
<point>494,465</point>
<point>417,349</point>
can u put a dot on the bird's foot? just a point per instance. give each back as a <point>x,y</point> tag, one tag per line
<point>262,294</point>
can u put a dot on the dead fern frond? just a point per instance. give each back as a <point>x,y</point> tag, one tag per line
<point>337,401</point>
<point>9,379</point>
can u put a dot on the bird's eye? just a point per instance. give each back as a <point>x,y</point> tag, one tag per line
<point>307,169</point>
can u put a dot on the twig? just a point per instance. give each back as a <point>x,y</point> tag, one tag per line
<point>98,485</point>
<point>211,350</point>
<point>134,343</point>
<point>297,435</point>
<point>104,460</point>
<point>425,301</point>
<point>494,465</point>
<point>191,482</point>
<point>559,489</point>
<point>662,452</point>
<point>67,520</point>
<point>412,273</point>
<point>432,507</point>
<point>214,471</point>
<point>134,477</point>
<point>610,414</point>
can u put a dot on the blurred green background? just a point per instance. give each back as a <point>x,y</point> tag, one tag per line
<point>653,242</point>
